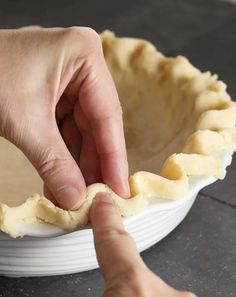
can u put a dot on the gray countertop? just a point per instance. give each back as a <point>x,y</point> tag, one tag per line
<point>200,254</point>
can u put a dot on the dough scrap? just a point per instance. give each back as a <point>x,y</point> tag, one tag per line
<point>177,121</point>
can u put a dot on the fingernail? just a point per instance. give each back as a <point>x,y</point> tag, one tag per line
<point>103,198</point>
<point>69,198</point>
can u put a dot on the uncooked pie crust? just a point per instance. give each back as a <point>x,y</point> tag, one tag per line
<point>177,122</point>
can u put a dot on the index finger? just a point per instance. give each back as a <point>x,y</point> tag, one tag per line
<point>99,101</point>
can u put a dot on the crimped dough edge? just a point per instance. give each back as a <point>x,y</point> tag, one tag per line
<point>214,133</point>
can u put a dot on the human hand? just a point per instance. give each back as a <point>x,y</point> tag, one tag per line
<point>59,105</point>
<point>124,271</point>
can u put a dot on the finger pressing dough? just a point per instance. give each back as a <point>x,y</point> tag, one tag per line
<point>177,122</point>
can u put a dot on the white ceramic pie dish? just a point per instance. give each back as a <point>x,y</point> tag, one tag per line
<point>47,253</point>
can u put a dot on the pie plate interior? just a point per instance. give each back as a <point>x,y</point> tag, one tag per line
<point>48,250</point>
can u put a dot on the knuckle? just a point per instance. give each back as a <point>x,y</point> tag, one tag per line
<point>71,34</point>
<point>73,30</point>
<point>110,236</point>
<point>86,36</point>
<point>92,37</point>
<point>114,111</point>
<point>51,167</point>
<point>114,233</point>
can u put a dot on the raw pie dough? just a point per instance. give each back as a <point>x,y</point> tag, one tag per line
<point>177,121</point>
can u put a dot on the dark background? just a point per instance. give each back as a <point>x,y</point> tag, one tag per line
<point>200,255</point>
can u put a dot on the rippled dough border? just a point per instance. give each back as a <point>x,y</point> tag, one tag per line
<point>215,132</point>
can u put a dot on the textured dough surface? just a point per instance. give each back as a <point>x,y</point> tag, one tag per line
<point>177,121</point>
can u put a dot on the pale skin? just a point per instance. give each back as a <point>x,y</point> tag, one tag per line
<point>59,105</point>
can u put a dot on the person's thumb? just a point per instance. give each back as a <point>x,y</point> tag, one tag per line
<point>54,163</point>
<point>116,250</point>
